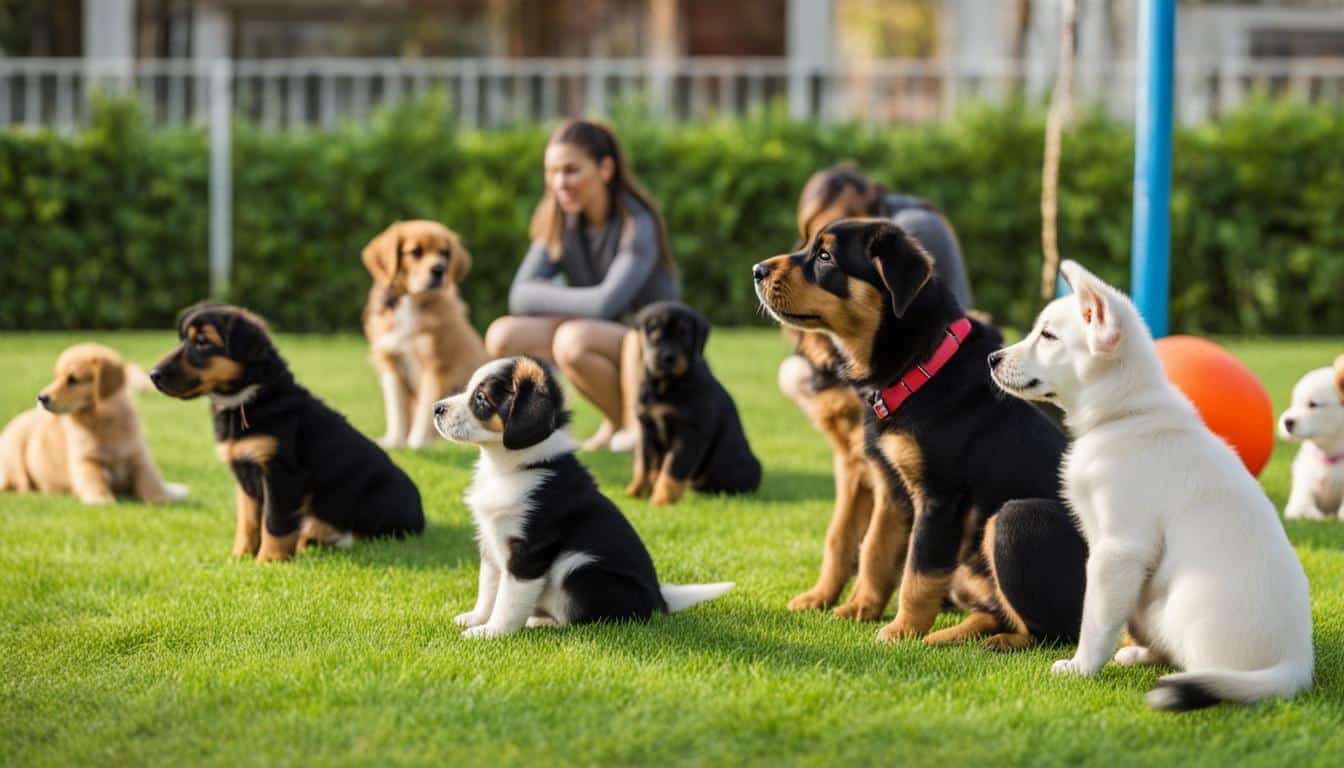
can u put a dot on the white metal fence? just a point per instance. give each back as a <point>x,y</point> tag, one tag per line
<point>288,93</point>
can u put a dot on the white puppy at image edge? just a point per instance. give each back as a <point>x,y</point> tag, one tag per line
<point>1184,546</point>
<point>1316,419</point>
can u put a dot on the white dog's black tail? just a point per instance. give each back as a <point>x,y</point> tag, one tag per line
<point>679,597</point>
<point>1193,690</point>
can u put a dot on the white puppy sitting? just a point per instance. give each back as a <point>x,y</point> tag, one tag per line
<point>1183,543</point>
<point>1316,419</point>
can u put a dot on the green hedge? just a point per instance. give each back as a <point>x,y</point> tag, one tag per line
<point>108,228</point>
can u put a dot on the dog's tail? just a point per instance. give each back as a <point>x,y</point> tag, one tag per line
<point>137,380</point>
<point>679,597</point>
<point>1193,690</point>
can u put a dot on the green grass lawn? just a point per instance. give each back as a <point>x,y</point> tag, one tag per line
<point>128,636</point>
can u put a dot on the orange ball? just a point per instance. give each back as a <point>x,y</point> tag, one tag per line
<point>1231,400</point>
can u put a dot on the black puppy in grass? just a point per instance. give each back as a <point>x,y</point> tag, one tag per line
<point>690,433</point>
<point>303,473</point>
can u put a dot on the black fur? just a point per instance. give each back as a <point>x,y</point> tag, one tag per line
<point>569,514</point>
<point>1047,598</point>
<point>1189,696</point>
<point>684,411</point>
<point>349,481</point>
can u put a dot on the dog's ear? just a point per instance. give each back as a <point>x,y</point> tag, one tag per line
<point>186,314</point>
<point>699,332</point>
<point>246,339</point>
<point>109,376</point>
<point>1101,323</point>
<point>382,256</point>
<point>459,263</point>
<point>902,264</point>
<point>1339,376</point>
<point>536,409</point>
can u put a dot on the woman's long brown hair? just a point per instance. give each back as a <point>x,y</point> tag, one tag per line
<point>598,142</point>
<point>839,192</point>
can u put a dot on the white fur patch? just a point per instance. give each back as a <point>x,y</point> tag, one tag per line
<point>239,398</point>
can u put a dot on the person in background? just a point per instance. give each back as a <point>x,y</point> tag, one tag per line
<point>599,253</point>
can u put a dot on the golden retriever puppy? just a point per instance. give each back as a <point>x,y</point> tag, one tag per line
<point>85,436</point>
<point>424,347</point>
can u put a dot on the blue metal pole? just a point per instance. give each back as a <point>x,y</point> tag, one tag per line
<point>1150,253</point>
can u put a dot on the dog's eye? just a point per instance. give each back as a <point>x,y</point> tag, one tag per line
<point>1312,404</point>
<point>1048,335</point>
<point>417,252</point>
<point>71,380</point>
<point>824,256</point>
<point>481,399</point>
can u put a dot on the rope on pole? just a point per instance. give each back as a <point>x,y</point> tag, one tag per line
<point>1061,107</point>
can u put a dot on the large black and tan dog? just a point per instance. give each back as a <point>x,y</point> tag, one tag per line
<point>303,473</point>
<point>690,432</point>
<point>965,482</point>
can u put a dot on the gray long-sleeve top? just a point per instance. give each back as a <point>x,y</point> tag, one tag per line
<point>606,275</point>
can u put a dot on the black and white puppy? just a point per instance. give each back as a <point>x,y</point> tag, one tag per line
<point>554,550</point>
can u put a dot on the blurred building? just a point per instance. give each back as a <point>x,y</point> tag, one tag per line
<point>303,61</point>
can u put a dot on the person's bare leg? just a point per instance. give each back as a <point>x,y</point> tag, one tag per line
<point>522,335</point>
<point>589,353</point>
<point>632,374</point>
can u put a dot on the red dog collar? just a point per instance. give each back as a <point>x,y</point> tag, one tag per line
<point>891,398</point>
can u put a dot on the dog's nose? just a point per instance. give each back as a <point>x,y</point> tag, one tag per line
<point>438,269</point>
<point>1288,425</point>
<point>44,398</point>
<point>995,358</point>
<point>440,409</point>
<point>760,271</point>
<point>667,359</point>
<point>155,374</point>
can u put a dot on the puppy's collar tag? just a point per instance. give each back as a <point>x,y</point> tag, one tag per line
<point>887,400</point>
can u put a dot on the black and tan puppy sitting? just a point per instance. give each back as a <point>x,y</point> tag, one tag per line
<point>966,490</point>
<point>554,550</point>
<point>303,473</point>
<point>690,433</point>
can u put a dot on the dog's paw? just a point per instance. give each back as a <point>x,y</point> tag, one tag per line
<point>637,490</point>
<point>900,628</point>
<point>416,443</point>
<point>811,600</point>
<point>1303,512</point>
<point>175,492</point>
<point>272,556</point>
<point>859,609</point>
<point>1005,642</point>
<point>1069,668</point>
<point>1135,656</point>
<point>390,441</point>
<point>98,498</point>
<point>484,631</point>
<point>541,621</point>
<point>470,619</point>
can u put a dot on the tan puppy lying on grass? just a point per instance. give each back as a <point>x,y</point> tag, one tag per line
<point>85,436</point>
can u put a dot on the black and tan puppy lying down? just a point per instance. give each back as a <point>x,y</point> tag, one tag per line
<point>690,432</point>
<point>303,473</point>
